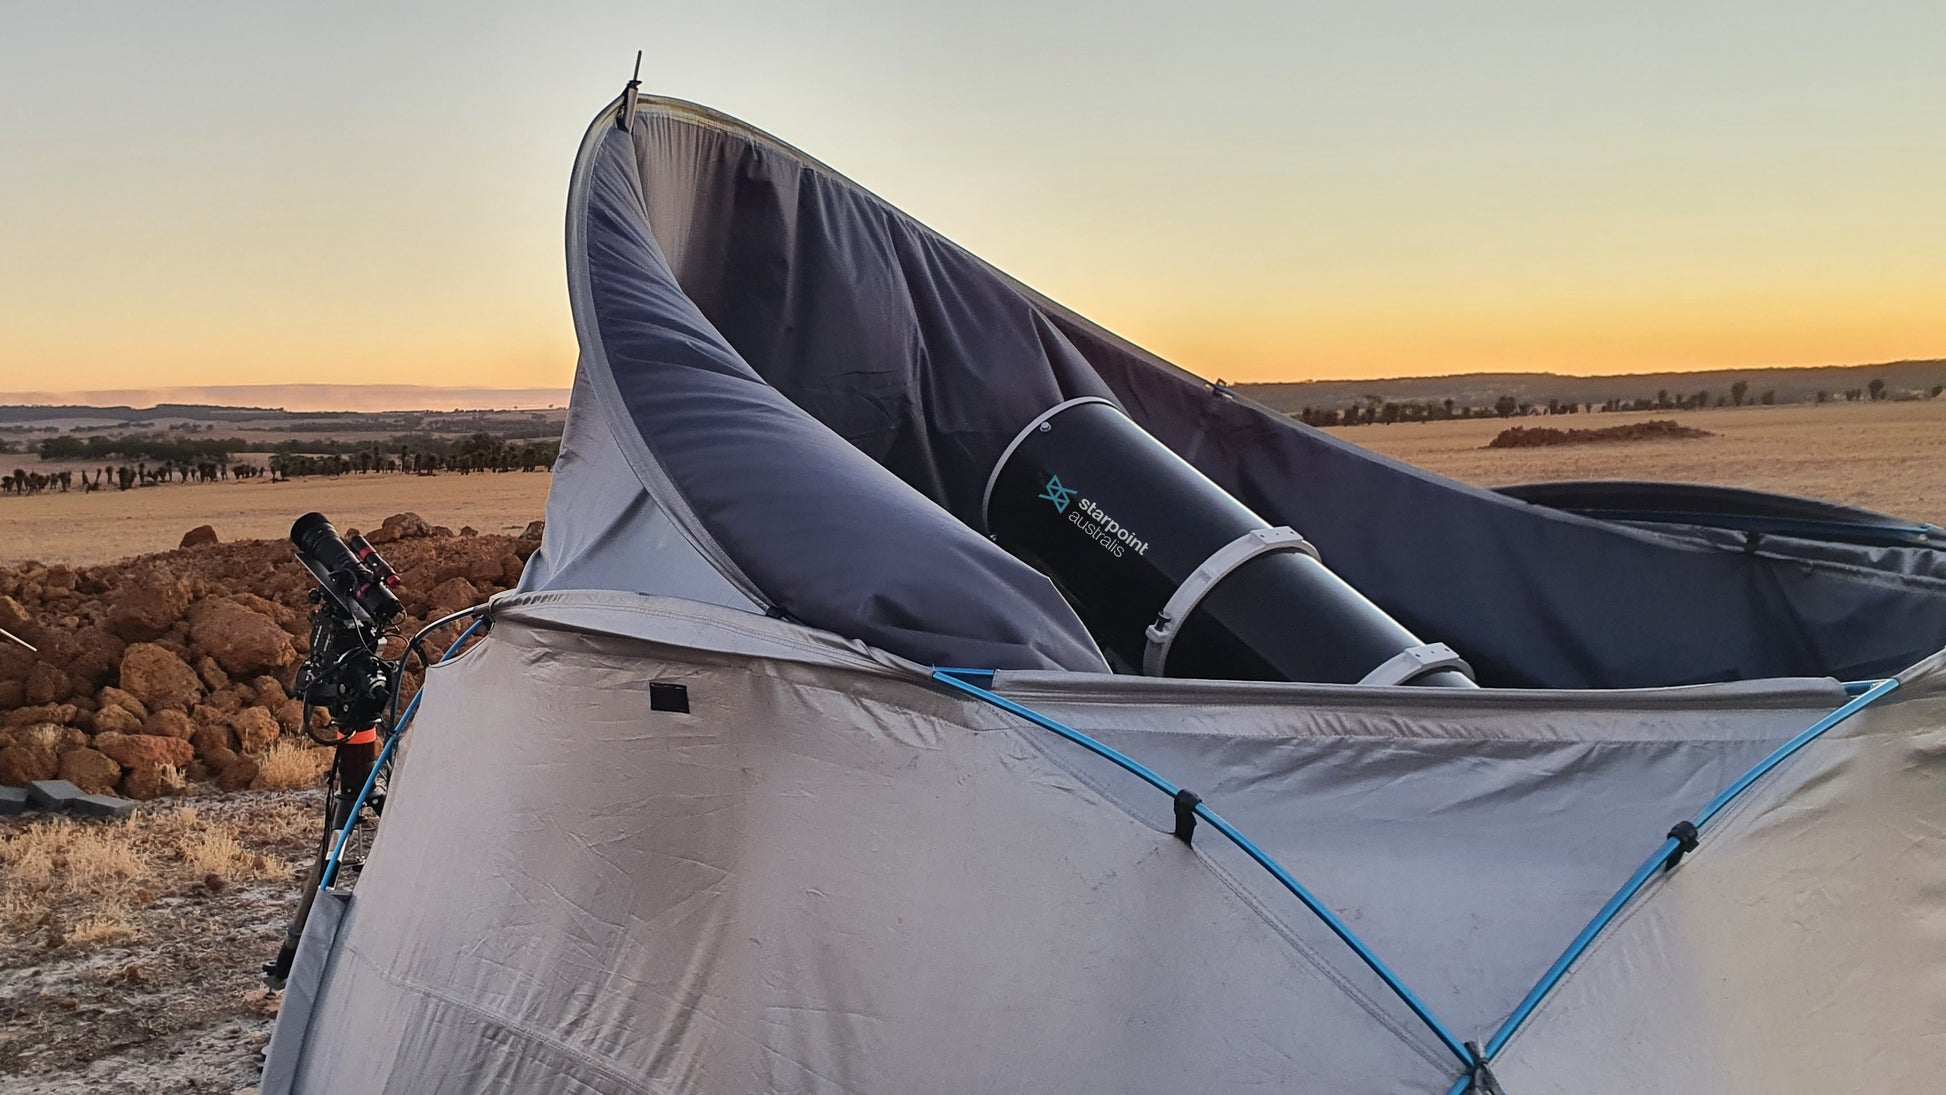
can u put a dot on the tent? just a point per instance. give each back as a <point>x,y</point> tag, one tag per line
<point>777,775</point>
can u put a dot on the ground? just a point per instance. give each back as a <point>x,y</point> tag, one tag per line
<point>1881,456</point>
<point>129,951</point>
<point>78,529</point>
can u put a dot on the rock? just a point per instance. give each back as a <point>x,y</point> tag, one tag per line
<point>168,724</point>
<point>197,772</point>
<point>256,729</point>
<point>61,714</point>
<point>92,770</point>
<point>60,576</point>
<point>240,773</point>
<point>116,697</point>
<point>115,719</point>
<point>241,641</point>
<point>511,568</point>
<point>159,678</point>
<point>143,784</point>
<point>46,684</point>
<point>89,655</point>
<point>485,570</point>
<point>534,531</point>
<point>56,737</point>
<point>218,758</point>
<point>209,738</point>
<point>198,537</point>
<point>452,595</point>
<point>468,530</point>
<point>18,620</point>
<point>145,750</point>
<point>212,674</point>
<point>146,612</point>
<point>290,716</point>
<point>23,764</point>
<point>399,526</point>
<point>268,690</point>
<point>12,694</point>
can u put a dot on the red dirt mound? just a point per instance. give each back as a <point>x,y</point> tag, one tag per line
<point>170,670</point>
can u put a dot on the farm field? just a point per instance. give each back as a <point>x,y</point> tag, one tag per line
<point>82,529</point>
<point>1889,457</point>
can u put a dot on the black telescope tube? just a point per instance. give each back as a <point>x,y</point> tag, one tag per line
<point>1124,527</point>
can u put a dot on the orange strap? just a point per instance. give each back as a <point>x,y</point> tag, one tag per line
<point>363,737</point>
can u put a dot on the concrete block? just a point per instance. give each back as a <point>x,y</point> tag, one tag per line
<point>101,806</point>
<point>52,795</point>
<point>13,800</point>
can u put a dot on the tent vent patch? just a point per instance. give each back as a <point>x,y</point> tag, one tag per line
<point>669,697</point>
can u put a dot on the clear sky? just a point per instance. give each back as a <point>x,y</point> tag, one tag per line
<point>262,192</point>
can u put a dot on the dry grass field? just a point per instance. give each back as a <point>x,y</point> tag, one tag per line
<point>1889,457</point>
<point>81,529</point>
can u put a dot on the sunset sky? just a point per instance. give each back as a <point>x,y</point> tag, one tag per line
<point>262,192</point>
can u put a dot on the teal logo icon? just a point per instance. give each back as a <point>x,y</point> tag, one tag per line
<point>1057,494</point>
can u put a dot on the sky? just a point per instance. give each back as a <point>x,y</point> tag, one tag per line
<point>201,193</point>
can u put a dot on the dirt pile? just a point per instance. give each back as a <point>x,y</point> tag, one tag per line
<point>1656,429</point>
<point>167,671</point>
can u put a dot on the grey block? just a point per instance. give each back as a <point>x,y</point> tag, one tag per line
<point>52,795</point>
<point>13,800</point>
<point>101,806</point>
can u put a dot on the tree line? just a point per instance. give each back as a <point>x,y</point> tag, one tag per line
<point>1374,409</point>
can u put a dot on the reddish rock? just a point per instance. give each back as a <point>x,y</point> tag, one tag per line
<point>143,784</point>
<point>451,596</point>
<point>256,729</point>
<point>485,569</point>
<point>241,641</point>
<point>169,724</point>
<point>12,694</point>
<point>269,692</point>
<point>62,714</point>
<point>91,770</point>
<point>114,719</point>
<point>46,684</point>
<point>116,697</point>
<point>59,576</point>
<point>197,772</point>
<point>511,568</point>
<point>199,536</point>
<point>210,738</point>
<point>89,655</point>
<point>218,757</point>
<point>159,678</point>
<point>239,774</point>
<point>290,716</point>
<point>24,763</point>
<point>146,612</point>
<point>399,526</point>
<point>468,530</point>
<point>145,750</point>
<point>15,618</point>
<point>212,674</point>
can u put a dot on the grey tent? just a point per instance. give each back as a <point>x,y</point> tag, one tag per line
<point>704,813</point>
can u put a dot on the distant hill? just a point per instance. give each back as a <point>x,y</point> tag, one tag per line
<point>140,403</point>
<point>1791,385</point>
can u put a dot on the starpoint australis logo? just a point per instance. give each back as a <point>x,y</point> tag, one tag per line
<point>1057,494</point>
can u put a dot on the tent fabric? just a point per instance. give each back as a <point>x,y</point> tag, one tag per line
<point>755,326</point>
<point>829,875</point>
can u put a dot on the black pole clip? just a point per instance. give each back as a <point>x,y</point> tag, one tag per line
<point>626,118</point>
<point>1481,1075</point>
<point>1186,803</point>
<point>1684,834</point>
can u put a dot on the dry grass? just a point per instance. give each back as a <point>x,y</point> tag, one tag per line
<point>288,766</point>
<point>81,529</point>
<point>84,884</point>
<point>1881,456</point>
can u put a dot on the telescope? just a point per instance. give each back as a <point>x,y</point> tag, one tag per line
<point>1177,578</point>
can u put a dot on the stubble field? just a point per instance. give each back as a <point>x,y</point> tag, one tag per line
<point>1889,457</point>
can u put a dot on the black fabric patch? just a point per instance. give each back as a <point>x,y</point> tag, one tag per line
<point>669,697</point>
